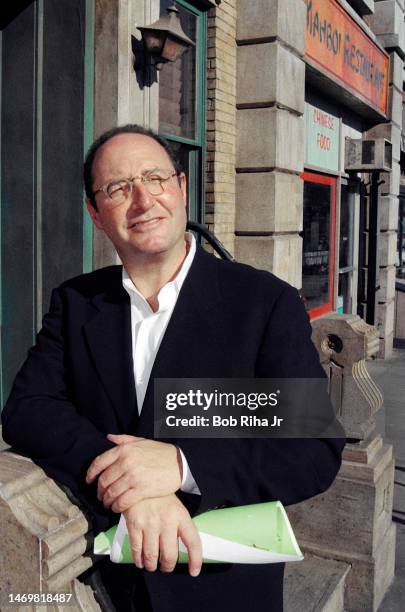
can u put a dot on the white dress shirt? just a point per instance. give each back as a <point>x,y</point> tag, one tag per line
<point>148,328</point>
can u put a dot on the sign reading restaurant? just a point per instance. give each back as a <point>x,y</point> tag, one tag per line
<point>341,48</point>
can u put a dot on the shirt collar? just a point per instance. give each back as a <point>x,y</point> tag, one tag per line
<point>168,293</point>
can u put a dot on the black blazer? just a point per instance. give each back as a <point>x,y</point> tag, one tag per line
<point>77,385</point>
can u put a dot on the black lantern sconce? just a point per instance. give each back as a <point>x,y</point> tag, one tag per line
<point>164,40</point>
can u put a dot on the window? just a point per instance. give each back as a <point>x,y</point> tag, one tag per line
<point>346,301</point>
<point>318,243</point>
<point>182,103</point>
<point>46,114</point>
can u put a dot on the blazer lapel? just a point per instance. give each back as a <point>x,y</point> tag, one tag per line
<point>109,340</point>
<point>193,334</point>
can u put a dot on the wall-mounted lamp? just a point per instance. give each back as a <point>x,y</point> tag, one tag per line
<point>164,40</point>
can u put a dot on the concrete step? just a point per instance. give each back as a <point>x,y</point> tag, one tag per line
<point>315,585</point>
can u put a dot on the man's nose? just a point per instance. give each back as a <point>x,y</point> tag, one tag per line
<point>141,199</point>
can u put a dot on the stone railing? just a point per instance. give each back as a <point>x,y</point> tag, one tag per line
<point>44,537</point>
<point>352,521</point>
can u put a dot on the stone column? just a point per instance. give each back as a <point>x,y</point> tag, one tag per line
<point>352,521</point>
<point>387,23</point>
<point>270,135</point>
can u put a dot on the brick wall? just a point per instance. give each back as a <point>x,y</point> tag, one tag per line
<point>221,117</point>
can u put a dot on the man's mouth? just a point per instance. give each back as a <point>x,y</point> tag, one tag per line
<point>145,224</point>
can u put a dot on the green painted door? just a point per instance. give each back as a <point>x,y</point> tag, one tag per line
<point>46,124</point>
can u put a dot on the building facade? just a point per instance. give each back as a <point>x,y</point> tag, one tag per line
<point>259,109</point>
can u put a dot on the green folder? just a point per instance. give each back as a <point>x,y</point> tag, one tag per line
<point>258,533</point>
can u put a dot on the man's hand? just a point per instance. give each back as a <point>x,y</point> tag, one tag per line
<point>154,526</point>
<point>137,468</point>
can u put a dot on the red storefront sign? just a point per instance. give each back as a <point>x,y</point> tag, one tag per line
<point>339,46</point>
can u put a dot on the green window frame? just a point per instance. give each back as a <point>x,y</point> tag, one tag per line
<point>196,146</point>
<point>36,283</point>
<point>88,124</point>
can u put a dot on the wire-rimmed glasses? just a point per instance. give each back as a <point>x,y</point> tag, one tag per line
<point>120,190</point>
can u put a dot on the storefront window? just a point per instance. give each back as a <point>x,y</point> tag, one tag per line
<point>318,239</point>
<point>346,244</point>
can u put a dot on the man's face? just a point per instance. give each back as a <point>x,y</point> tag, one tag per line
<point>145,224</point>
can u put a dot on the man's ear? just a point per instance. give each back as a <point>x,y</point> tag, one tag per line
<point>94,214</point>
<point>183,186</point>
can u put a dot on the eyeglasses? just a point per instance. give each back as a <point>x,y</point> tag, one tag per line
<point>120,190</point>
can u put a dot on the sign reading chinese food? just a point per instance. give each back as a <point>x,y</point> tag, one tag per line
<point>340,47</point>
<point>322,135</point>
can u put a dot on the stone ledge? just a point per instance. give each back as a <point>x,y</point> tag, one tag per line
<point>315,584</point>
<point>369,577</point>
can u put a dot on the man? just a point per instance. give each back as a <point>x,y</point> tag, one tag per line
<point>171,311</point>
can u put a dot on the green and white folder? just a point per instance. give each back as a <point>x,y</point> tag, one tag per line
<point>259,533</point>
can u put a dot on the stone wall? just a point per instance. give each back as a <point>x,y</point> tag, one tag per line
<point>270,135</point>
<point>387,23</point>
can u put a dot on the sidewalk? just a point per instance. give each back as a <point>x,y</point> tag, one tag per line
<point>390,377</point>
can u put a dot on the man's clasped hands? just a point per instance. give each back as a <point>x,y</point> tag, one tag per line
<point>139,478</point>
